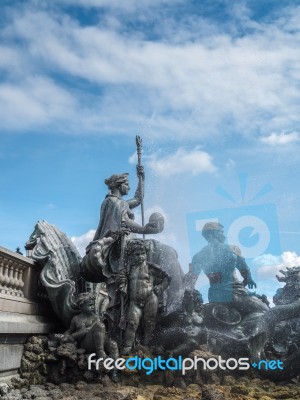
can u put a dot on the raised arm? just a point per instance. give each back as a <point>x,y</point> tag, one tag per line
<point>139,193</point>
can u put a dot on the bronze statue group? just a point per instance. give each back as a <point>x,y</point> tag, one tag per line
<point>137,286</point>
<point>151,301</point>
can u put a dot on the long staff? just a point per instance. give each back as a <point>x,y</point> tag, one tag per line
<point>122,266</point>
<point>139,142</point>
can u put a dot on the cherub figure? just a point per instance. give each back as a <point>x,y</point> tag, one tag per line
<point>88,330</point>
<point>143,283</point>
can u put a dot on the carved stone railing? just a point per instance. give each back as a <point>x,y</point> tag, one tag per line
<point>18,275</point>
<point>11,277</point>
<point>24,309</point>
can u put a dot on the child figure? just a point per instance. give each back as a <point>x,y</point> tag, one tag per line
<point>89,332</point>
<point>143,283</point>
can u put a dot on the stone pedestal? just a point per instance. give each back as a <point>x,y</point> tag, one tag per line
<point>24,309</point>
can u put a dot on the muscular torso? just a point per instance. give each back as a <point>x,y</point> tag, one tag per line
<point>217,260</point>
<point>140,283</point>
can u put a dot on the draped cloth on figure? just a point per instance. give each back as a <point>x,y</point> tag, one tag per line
<point>113,213</point>
<point>107,239</point>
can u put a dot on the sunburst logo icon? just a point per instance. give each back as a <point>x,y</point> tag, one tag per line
<point>249,223</point>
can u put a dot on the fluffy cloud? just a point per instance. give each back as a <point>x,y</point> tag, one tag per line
<point>268,265</point>
<point>290,259</point>
<point>197,85</point>
<point>193,162</point>
<point>83,240</point>
<point>37,101</point>
<point>277,139</point>
<point>182,161</point>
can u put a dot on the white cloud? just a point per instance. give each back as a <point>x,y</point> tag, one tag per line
<point>290,259</point>
<point>34,102</point>
<point>277,139</point>
<point>195,84</point>
<point>83,240</point>
<point>268,266</point>
<point>182,161</point>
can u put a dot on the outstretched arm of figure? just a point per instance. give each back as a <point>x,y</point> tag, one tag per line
<point>245,272</point>
<point>134,227</point>
<point>139,193</point>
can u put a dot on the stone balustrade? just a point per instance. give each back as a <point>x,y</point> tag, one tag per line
<point>20,288</point>
<point>18,275</point>
<point>24,308</point>
<point>11,277</point>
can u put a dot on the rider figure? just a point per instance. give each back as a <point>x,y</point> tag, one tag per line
<point>105,255</point>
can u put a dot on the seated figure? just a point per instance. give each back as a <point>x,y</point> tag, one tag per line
<point>105,258</point>
<point>219,261</point>
<point>88,330</point>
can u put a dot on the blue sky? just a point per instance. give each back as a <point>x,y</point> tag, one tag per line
<point>212,87</point>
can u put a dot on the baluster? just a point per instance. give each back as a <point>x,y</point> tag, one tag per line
<point>1,274</point>
<point>21,282</point>
<point>16,279</point>
<point>6,277</point>
<point>11,278</point>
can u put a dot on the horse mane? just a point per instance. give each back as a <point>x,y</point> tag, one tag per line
<point>55,244</point>
<point>61,268</point>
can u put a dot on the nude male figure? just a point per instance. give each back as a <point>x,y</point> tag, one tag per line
<point>144,284</point>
